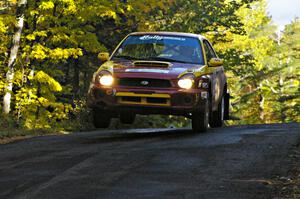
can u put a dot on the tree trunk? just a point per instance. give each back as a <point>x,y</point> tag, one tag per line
<point>76,80</point>
<point>261,107</point>
<point>13,55</point>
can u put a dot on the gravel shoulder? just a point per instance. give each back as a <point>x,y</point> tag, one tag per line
<point>288,185</point>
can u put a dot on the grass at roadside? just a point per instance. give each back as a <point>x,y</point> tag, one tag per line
<point>10,130</point>
<point>8,133</point>
<point>12,134</point>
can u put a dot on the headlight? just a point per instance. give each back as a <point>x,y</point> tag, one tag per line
<point>106,80</point>
<point>185,83</point>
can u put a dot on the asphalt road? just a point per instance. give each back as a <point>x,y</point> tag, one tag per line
<point>231,162</point>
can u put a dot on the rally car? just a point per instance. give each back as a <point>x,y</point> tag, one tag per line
<point>160,73</point>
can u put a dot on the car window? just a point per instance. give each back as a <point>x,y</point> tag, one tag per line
<point>161,48</point>
<point>209,50</point>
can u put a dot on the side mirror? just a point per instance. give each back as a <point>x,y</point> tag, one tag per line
<point>215,62</point>
<point>103,56</point>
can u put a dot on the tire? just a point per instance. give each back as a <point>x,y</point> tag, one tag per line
<point>200,119</point>
<point>217,117</point>
<point>101,119</point>
<point>127,118</point>
<point>227,104</point>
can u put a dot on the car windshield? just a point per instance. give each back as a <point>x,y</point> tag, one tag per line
<point>160,48</point>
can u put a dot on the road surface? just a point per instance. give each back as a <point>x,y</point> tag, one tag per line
<point>231,162</point>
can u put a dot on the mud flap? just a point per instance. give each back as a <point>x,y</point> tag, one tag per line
<point>226,106</point>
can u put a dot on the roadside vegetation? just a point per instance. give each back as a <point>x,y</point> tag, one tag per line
<point>49,48</point>
<point>288,187</point>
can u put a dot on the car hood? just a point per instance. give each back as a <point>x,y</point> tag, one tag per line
<point>129,69</point>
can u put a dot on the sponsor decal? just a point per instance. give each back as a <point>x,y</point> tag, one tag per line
<point>160,37</point>
<point>146,70</point>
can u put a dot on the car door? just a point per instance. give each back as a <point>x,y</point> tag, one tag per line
<point>217,76</point>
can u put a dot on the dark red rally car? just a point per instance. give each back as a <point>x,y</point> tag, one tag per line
<point>160,73</point>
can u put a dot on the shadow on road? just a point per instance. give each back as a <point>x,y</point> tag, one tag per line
<point>130,135</point>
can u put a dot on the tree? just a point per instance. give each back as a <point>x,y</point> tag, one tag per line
<point>60,43</point>
<point>61,39</point>
<point>284,86</point>
<point>250,62</point>
<point>13,54</point>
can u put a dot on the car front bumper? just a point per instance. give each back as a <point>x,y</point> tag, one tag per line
<point>146,101</point>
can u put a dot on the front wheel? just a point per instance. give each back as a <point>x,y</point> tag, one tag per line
<point>200,119</point>
<point>101,118</point>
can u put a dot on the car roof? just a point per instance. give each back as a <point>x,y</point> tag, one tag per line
<point>170,33</point>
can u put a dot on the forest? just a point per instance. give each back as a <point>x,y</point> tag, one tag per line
<point>45,75</point>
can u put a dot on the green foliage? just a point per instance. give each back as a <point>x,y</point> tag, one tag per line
<point>266,84</point>
<point>80,119</point>
<point>61,40</point>
<point>251,68</point>
<point>36,103</point>
<point>243,35</point>
<point>285,86</point>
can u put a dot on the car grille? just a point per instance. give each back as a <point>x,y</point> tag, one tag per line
<point>144,82</point>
